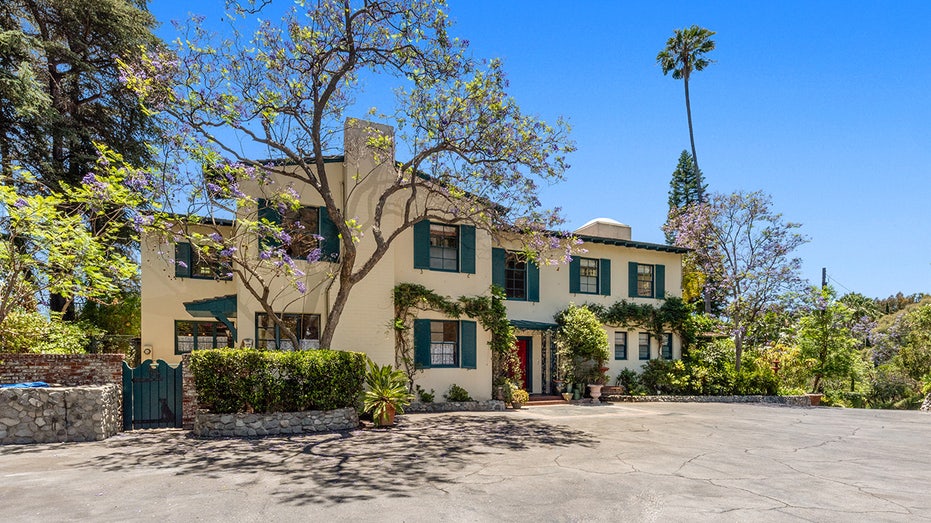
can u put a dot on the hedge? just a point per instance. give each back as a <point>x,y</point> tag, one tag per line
<point>246,380</point>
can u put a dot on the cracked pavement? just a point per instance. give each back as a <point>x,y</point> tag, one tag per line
<point>624,462</point>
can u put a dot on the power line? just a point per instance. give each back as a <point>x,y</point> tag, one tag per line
<point>839,283</point>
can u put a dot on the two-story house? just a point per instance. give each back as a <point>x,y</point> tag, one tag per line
<point>189,303</point>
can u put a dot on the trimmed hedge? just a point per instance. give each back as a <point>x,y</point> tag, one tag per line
<point>246,380</point>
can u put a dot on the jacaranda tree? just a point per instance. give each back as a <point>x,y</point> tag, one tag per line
<point>285,87</point>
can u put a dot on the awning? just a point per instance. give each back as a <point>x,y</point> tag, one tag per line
<point>528,325</point>
<point>221,308</point>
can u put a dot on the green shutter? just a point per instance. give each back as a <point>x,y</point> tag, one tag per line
<point>467,339</point>
<point>497,266</point>
<point>422,343</point>
<point>183,255</point>
<point>269,213</point>
<point>533,281</point>
<point>467,249</point>
<point>604,275</point>
<point>329,250</point>
<point>659,272</point>
<point>575,275</point>
<point>422,245</point>
<point>632,279</point>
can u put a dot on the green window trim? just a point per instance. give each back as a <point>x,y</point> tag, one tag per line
<point>277,329</point>
<point>187,261</point>
<point>196,335</point>
<point>602,283</point>
<point>658,283</point>
<point>465,256</point>
<point>466,357</point>
<point>499,272</point>
<point>326,229</point>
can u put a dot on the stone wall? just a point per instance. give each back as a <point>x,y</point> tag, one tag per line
<point>452,406</point>
<point>926,406</point>
<point>57,414</point>
<point>188,393</point>
<point>791,401</point>
<point>69,370</point>
<point>209,425</point>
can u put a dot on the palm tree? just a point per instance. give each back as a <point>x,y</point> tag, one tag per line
<point>684,53</point>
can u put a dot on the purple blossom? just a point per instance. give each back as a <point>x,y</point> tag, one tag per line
<point>216,237</point>
<point>265,255</point>
<point>20,203</point>
<point>301,287</point>
<point>314,255</point>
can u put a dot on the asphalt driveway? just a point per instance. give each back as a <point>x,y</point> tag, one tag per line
<point>633,462</point>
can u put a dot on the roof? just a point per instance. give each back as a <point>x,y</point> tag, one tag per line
<point>633,244</point>
<point>529,325</point>
<point>283,162</point>
<point>607,221</point>
<point>211,307</point>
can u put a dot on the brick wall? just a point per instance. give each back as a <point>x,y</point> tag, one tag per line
<point>70,370</point>
<point>189,393</point>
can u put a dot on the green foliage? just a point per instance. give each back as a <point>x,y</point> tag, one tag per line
<point>824,337</point>
<point>423,396</point>
<point>122,316</point>
<point>709,370</point>
<point>685,188</point>
<point>386,389</point>
<point>673,315</point>
<point>629,379</point>
<point>457,393</point>
<point>237,380</point>
<point>31,332</point>
<point>581,344</point>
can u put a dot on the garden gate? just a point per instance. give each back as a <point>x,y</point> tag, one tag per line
<point>151,395</point>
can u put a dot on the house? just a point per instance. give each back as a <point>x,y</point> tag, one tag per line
<point>190,302</point>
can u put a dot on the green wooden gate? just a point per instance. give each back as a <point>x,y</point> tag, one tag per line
<point>151,395</point>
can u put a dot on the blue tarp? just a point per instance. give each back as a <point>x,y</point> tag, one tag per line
<point>30,385</point>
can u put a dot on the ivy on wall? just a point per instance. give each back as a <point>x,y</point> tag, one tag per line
<point>674,315</point>
<point>489,311</point>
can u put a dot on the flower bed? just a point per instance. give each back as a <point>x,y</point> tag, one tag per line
<point>452,406</point>
<point>210,425</point>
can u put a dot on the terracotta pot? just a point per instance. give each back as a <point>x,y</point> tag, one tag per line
<point>595,391</point>
<point>815,399</point>
<point>516,405</point>
<point>388,419</point>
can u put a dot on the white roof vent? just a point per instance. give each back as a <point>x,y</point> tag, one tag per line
<point>605,228</point>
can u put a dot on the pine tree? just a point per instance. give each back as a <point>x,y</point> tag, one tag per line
<point>685,188</point>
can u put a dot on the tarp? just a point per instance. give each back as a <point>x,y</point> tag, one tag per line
<point>29,385</point>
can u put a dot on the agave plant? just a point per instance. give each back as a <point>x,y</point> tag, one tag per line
<point>387,393</point>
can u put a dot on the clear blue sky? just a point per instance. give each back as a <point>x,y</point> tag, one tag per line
<point>824,105</point>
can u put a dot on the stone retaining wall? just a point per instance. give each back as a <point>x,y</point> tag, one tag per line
<point>70,370</point>
<point>210,425</point>
<point>57,414</point>
<point>926,406</point>
<point>452,406</point>
<point>791,401</point>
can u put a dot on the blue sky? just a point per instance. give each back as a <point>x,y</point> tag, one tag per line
<point>823,105</point>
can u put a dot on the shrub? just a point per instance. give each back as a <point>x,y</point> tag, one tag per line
<point>629,379</point>
<point>520,396</point>
<point>240,380</point>
<point>582,344</point>
<point>32,332</point>
<point>664,377</point>
<point>425,397</point>
<point>457,393</point>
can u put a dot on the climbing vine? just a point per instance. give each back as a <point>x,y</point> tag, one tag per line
<point>673,315</point>
<point>489,311</point>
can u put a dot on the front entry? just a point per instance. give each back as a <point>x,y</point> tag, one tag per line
<point>525,355</point>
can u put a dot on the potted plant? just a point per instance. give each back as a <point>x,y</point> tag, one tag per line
<point>519,397</point>
<point>582,348</point>
<point>387,393</point>
<point>597,380</point>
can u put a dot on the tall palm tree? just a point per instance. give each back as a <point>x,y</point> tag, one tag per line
<point>685,52</point>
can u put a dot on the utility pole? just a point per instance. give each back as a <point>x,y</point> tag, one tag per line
<point>824,277</point>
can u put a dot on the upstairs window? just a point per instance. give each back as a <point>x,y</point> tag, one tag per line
<point>303,226</point>
<point>515,277</point>
<point>444,247</point>
<point>588,276</point>
<point>194,262</point>
<point>644,280</point>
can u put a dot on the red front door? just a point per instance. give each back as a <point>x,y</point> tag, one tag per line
<point>524,364</point>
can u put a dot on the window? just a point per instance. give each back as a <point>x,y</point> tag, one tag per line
<point>515,277</point>
<point>644,280</point>
<point>305,326</point>
<point>620,345</point>
<point>667,346</point>
<point>444,343</point>
<point>644,346</point>
<point>193,335</point>
<point>302,225</point>
<point>197,263</point>
<point>590,276</point>
<point>444,247</point>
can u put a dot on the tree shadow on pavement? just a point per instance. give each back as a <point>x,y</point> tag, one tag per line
<point>420,452</point>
